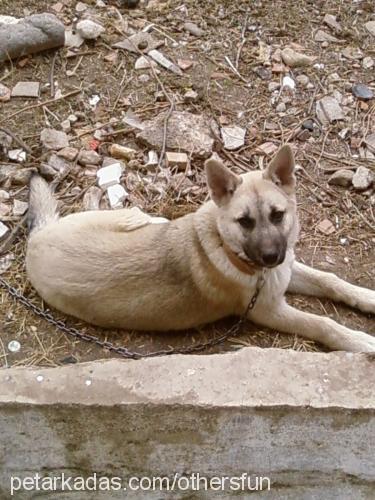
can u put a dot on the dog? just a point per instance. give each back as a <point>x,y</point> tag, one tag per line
<point>116,269</point>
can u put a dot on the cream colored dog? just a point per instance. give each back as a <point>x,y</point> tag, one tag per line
<point>116,269</point>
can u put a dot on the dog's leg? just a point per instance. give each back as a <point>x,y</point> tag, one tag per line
<point>309,281</point>
<point>287,319</point>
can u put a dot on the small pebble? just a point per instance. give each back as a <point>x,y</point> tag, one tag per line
<point>363,92</point>
<point>14,346</point>
<point>116,195</point>
<point>89,30</point>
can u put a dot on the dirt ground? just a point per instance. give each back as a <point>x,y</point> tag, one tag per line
<point>232,30</point>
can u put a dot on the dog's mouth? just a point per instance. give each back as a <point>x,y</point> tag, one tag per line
<point>262,262</point>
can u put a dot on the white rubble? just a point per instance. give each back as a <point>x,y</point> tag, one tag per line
<point>233,137</point>
<point>110,175</point>
<point>18,155</point>
<point>4,230</point>
<point>362,179</point>
<point>19,207</point>
<point>116,195</point>
<point>89,30</point>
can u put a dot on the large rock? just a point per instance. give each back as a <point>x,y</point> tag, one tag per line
<point>54,139</point>
<point>185,132</point>
<point>29,35</point>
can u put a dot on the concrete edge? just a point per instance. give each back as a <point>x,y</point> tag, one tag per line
<point>251,377</point>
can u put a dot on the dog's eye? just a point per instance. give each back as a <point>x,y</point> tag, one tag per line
<point>277,216</point>
<point>246,222</point>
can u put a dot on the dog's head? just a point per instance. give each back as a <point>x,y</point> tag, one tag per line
<point>257,211</point>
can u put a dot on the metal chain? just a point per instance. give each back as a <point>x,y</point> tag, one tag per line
<point>123,351</point>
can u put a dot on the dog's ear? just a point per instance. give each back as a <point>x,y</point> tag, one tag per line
<point>281,170</point>
<point>222,183</point>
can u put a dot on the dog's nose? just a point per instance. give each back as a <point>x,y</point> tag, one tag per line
<point>270,258</point>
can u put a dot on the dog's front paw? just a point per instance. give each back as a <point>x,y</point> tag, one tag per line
<point>362,342</point>
<point>366,301</point>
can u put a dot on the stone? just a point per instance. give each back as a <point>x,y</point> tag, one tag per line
<point>91,199</point>
<point>4,195</point>
<point>322,36</point>
<point>289,82</point>
<point>326,227</point>
<point>26,89</point>
<point>29,35</point>
<point>59,164</point>
<point>153,160</point>
<point>186,132</point>
<point>303,135</point>
<point>292,416</point>
<point>122,152</point>
<point>331,22</point>
<point>68,153</point>
<point>144,63</point>
<point>362,91</point>
<point>18,155</point>
<point>263,72</point>
<point>281,107</point>
<point>352,53</point>
<point>184,64</point>
<point>13,175</point>
<point>19,207</point>
<point>302,80</point>
<point>370,26</point>
<point>191,96</point>
<point>308,125</point>
<point>370,142</point>
<point>132,120</point>
<point>89,158</point>
<point>4,93</point>
<point>141,41</point>
<point>179,160</point>
<point>328,110</point>
<point>193,29</point>
<point>54,139</point>
<point>273,86</point>
<point>4,210</point>
<point>109,175</point>
<point>66,126</point>
<point>163,61</point>
<point>8,19</point>
<point>81,7</point>
<point>144,78</point>
<point>333,77</point>
<point>233,137</point>
<point>342,177</point>
<point>89,30</point>
<point>5,142</point>
<point>267,148</point>
<point>47,171</point>
<point>368,62</point>
<point>73,39</point>
<point>362,179</point>
<point>295,59</point>
<point>73,118</point>
<point>116,195</point>
<point>4,230</point>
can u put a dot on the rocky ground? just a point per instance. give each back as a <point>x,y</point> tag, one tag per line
<point>130,88</point>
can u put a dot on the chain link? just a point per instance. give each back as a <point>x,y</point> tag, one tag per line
<point>123,351</point>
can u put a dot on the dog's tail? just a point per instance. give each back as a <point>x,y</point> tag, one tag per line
<point>42,204</point>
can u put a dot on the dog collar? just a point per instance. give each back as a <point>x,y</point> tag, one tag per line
<point>242,265</point>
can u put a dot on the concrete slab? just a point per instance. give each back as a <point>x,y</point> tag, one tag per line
<point>305,420</point>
